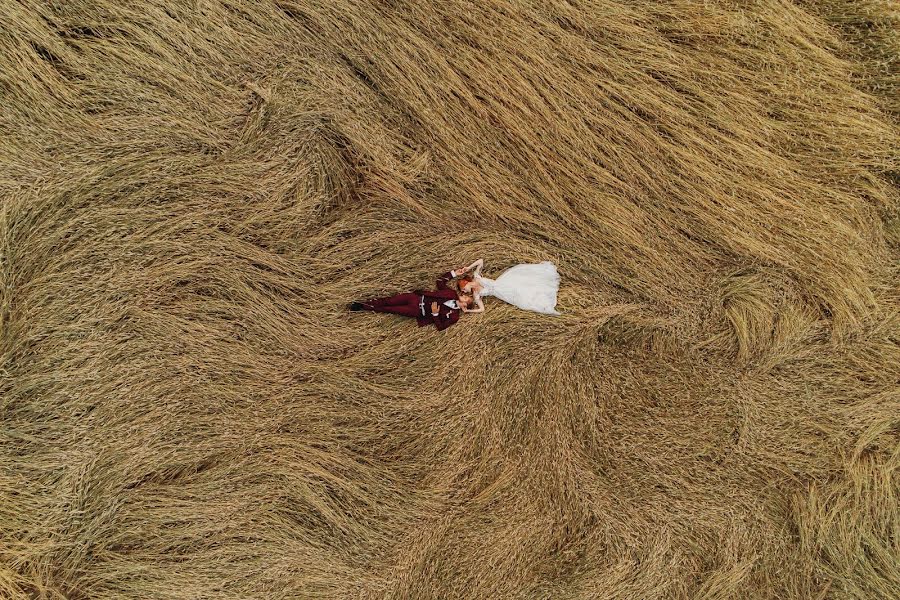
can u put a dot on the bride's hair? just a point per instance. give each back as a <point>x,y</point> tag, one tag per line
<point>463,282</point>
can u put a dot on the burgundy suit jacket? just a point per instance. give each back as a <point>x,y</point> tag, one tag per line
<point>446,316</point>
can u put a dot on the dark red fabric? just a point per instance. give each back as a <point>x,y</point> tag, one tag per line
<point>407,305</point>
<point>400,304</point>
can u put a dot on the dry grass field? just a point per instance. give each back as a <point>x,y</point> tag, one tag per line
<point>192,190</point>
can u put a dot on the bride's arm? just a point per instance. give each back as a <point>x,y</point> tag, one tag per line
<point>479,303</point>
<point>477,266</point>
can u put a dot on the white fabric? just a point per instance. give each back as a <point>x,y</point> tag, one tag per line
<point>529,287</point>
<point>449,304</point>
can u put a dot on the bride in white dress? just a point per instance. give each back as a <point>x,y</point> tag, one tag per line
<point>529,287</point>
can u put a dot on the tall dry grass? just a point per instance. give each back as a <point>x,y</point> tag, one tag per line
<point>192,190</point>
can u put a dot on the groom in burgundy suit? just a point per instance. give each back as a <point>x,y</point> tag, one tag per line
<point>441,306</point>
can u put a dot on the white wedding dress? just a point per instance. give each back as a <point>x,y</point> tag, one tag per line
<point>529,287</point>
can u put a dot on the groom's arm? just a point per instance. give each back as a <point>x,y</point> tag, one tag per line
<point>444,279</point>
<point>445,319</point>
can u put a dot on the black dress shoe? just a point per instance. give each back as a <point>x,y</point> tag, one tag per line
<point>356,306</point>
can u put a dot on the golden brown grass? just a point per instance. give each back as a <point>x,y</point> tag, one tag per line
<point>192,190</point>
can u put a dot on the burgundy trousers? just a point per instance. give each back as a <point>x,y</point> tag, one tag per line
<point>400,304</point>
